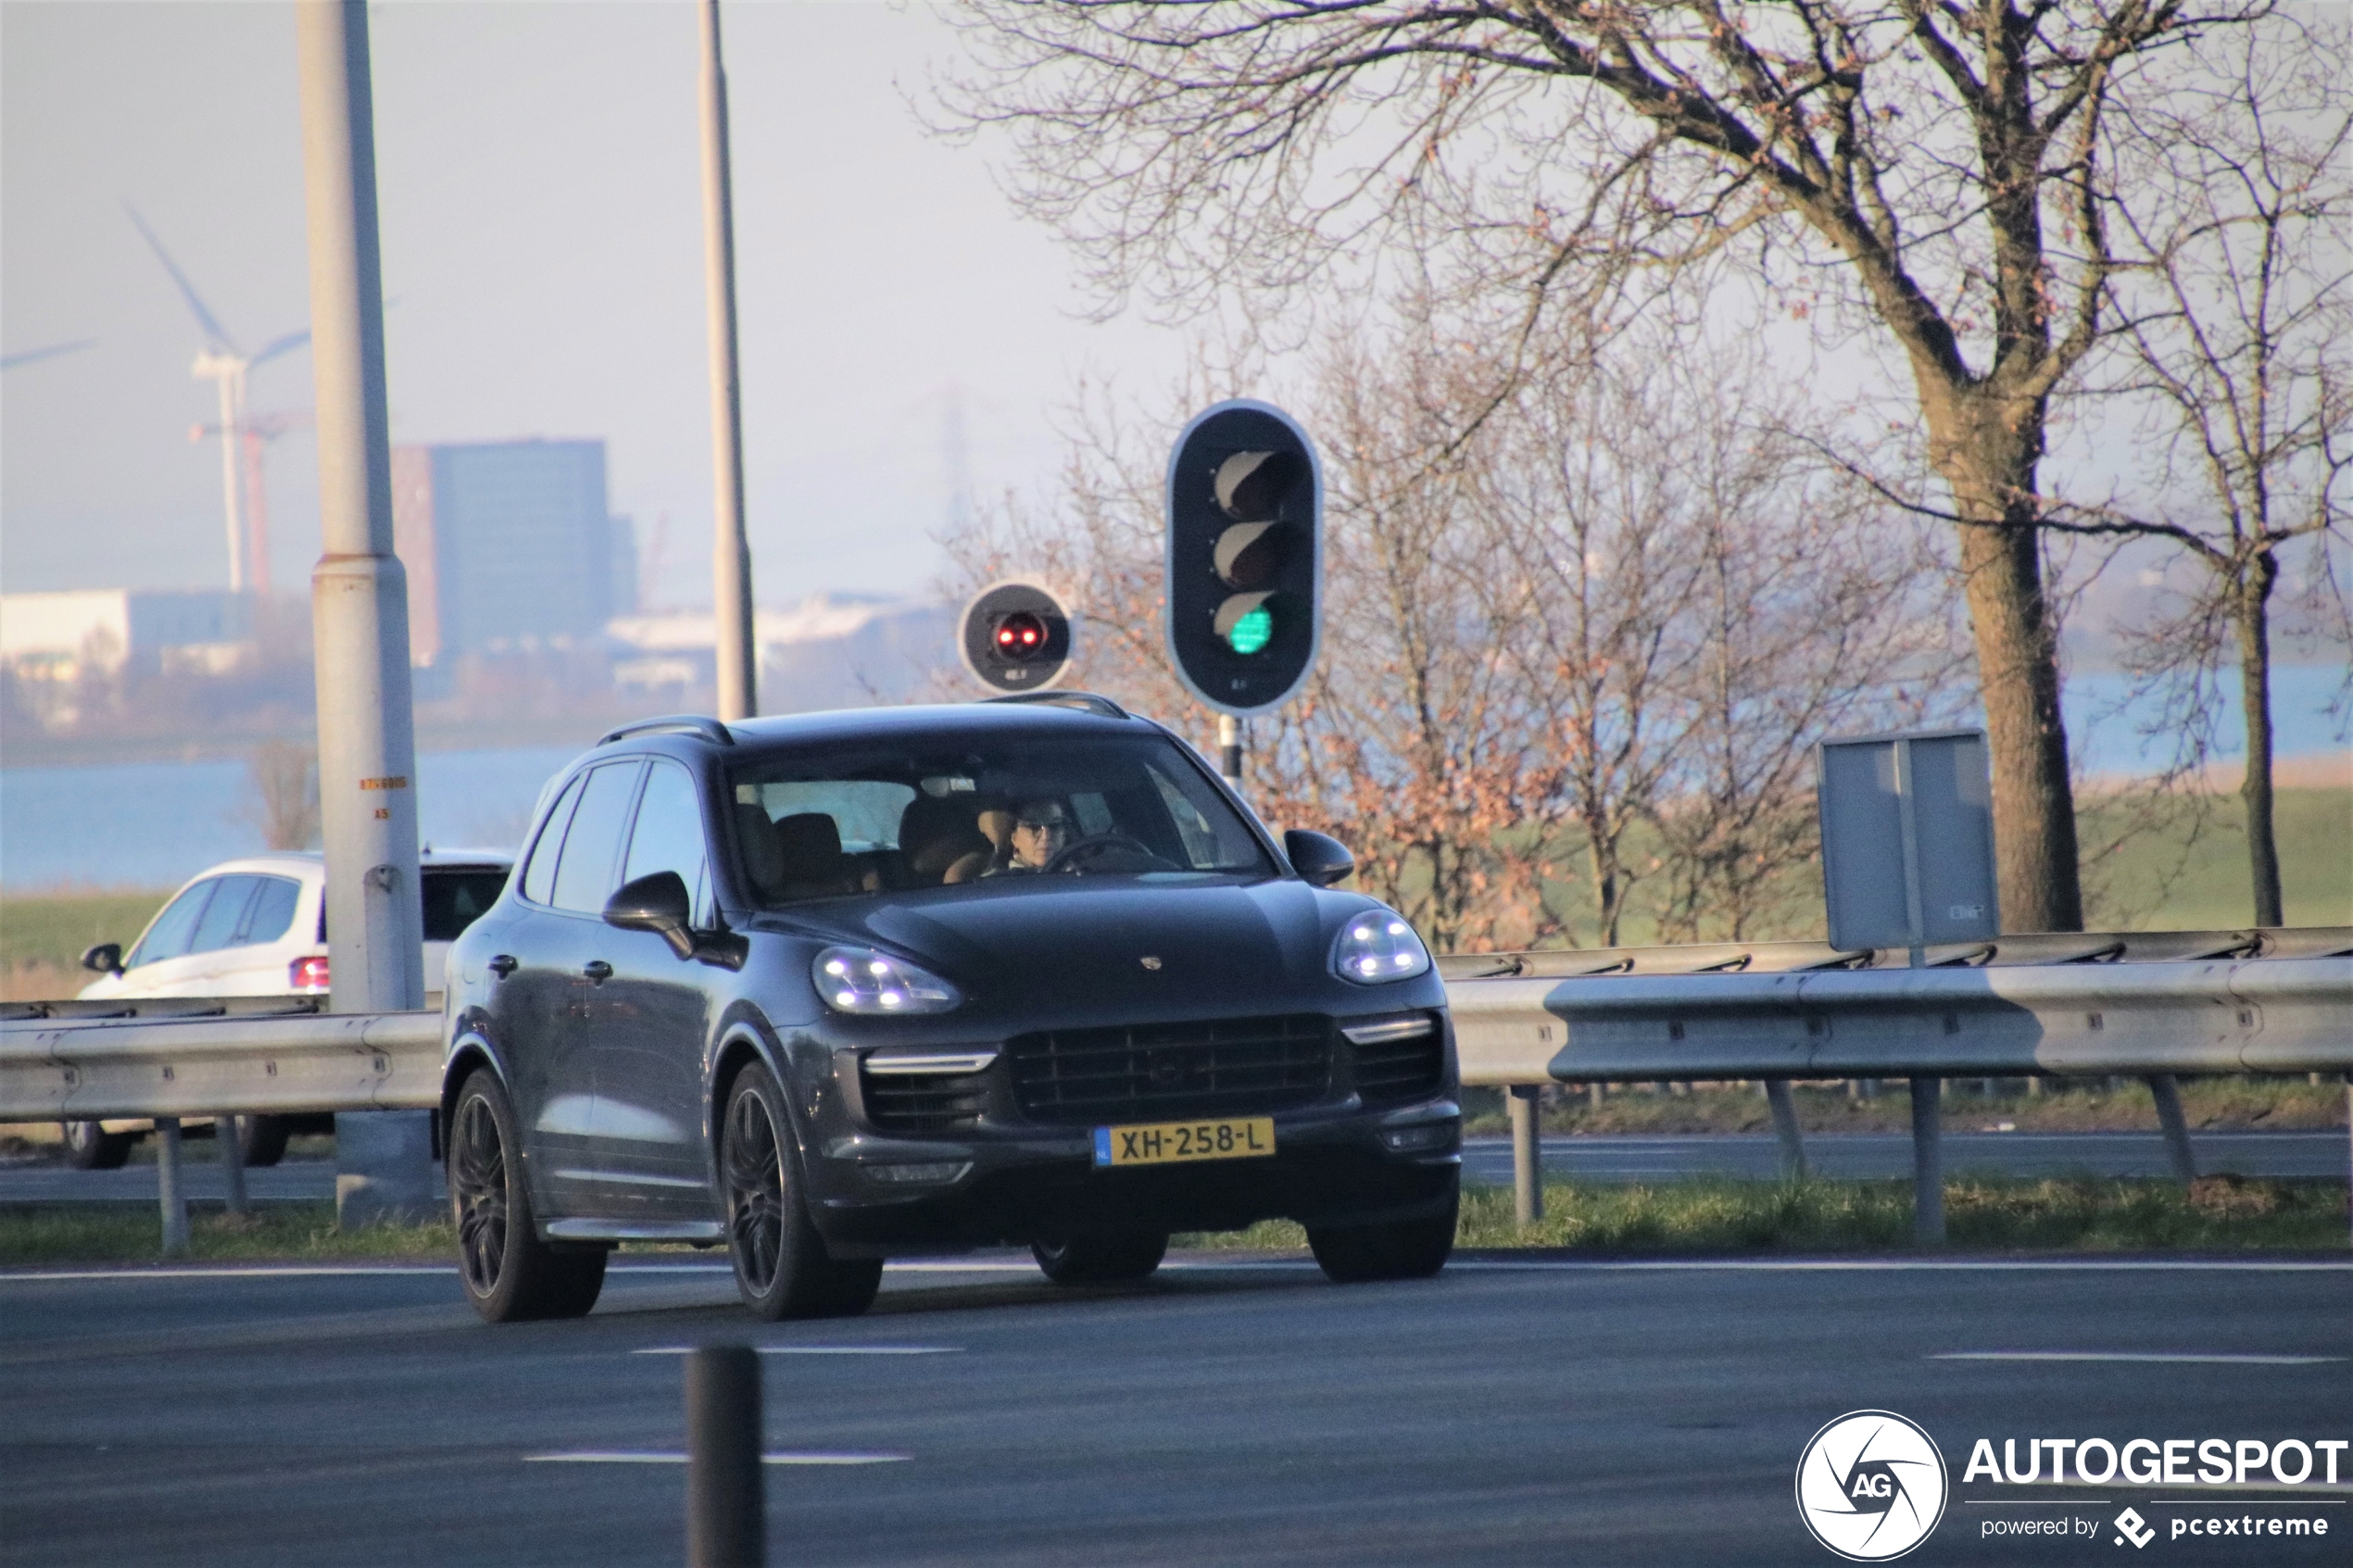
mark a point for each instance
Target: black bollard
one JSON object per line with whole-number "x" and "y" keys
{"x": 727, "y": 1506}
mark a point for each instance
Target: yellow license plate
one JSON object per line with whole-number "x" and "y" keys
{"x": 1169, "y": 1143}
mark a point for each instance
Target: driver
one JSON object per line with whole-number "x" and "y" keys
{"x": 1042, "y": 830}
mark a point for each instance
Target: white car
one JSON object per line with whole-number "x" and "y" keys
{"x": 258, "y": 927}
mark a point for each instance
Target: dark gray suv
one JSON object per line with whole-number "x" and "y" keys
{"x": 845, "y": 985}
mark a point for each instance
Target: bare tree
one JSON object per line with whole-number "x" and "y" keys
{"x": 1612, "y": 610}
{"x": 2236, "y": 353}
{"x": 285, "y": 794}
{"x": 1933, "y": 173}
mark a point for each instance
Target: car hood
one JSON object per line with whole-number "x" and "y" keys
{"x": 1014, "y": 942}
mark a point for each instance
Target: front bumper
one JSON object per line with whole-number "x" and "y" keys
{"x": 1328, "y": 1169}
{"x": 1004, "y": 1176}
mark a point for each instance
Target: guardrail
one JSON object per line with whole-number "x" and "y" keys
{"x": 2152, "y": 1005}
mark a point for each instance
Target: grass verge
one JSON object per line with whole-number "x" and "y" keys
{"x": 33, "y": 1234}
{"x": 2247, "y": 1103}
{"x": 1715, "y": 1217}
{"x": 1702, "y": 1217}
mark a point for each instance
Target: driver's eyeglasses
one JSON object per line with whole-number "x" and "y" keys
{"x": 1045, "y": 827}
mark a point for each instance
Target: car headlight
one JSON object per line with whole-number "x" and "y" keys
{"x": 1377, "y": 947}
{"x": 863, "y": 981}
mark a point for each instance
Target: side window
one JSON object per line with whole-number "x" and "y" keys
{"x": 167, "y": 938}
{"x": 668, "y": 834}
{"x": 272, "y": 912}
{"x": 218, "y": 928}
{"x": 591, "y": 844}
{"x": 540, "y": 874}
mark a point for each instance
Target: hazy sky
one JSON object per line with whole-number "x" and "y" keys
{"x": 542, "y": 232}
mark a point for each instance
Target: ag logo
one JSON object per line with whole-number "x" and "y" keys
{"x": 1871, "y": 1485}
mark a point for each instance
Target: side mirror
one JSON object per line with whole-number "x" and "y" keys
{"x": 1316, "y": 858}
{"x": 658, "y": 903}
{"x": 104, "y": 959}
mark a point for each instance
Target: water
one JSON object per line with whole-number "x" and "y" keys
{"x": 155, "y": 824}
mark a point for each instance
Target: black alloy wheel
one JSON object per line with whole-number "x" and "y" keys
{"x": 1403, "y": 1249}
{"x": 89, "y": 1147}
{"x": 1092, "y": 1258}
{"x": 782, "y": 1267}
{"x": 510, "y": 1275}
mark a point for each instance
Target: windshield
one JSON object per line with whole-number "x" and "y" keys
{"x": 849, "y": 820}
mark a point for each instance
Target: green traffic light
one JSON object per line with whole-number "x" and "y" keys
{"x": 1253, "y": 630}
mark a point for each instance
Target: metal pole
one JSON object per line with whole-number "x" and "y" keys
{"x": 1927, "y": 1163}
{"x": 173, "y": 1198}
{"x": 1785, "y": 1124}
{"x": 727, "y": 1506}
{"x": 738, "y": 674}
{"x": 2167, "y": 1096}
{"x": 360, "y": 611}
{"x": 225, "y": 1131}
{"x": 1528, "y": 1155}
{"x": 1230, "y": 748}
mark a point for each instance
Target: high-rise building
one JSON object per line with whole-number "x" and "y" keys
{"x": 509, "y": 546}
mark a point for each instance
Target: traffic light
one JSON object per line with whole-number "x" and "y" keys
{"x": 1245, "y": 556}
{"x": 1015, "y": 637}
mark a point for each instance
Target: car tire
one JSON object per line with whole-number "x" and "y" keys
{"x": 264, "y": 1139}
{"x": 782, "y": 1267}
{"x": 1093, "y": 1258}
{"x": 1404, "y": 1250}
{"x": 510, "y": 1275}
{"x": 89, "y": 1147}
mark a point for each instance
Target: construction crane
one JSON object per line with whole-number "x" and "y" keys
{"x": 251, "y": 439}
{"x": 223, "y": 363}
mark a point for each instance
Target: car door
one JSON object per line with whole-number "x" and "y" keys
{"x": 651, "y": 1017}
{"x": 533, "y": 1001}
{"x": 567, "y": 949}
{"x": 159, "y": 964}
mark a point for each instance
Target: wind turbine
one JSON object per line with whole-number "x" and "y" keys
{"x": 223, "y": 363}
{"x": 30, "y": 356}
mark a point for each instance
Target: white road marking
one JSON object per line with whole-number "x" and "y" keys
{"x": 630, "y": 1456}
{"x": 819, "y": 1351}
{"x": 1467, "y": 1265}
{"x": 2222, "y": 1359}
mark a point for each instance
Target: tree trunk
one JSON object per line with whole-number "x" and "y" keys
{"x": 2255, "y": 686}
{"x": 1986, "y": 448}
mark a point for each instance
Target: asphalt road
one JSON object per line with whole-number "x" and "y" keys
{"x": 1516, "y": 1414}
{"x": 1489, "y": 1159}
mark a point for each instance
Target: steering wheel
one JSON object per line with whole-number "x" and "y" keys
{"x": 1067, "y": 858}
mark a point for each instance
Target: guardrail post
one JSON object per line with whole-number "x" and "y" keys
{"x": 2168, "y": 1095}
{"x": 1785, "y": 1125}
{"x": 1928, "y": 1163}
{"x": 169, "y": 1192}
{"x": 1528, "y": 1155}
{"x": 228, "y": 1132}
{"x": 726, "y": 1503}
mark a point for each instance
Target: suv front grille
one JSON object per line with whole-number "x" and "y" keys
{"x": 1156, "y": 1072}
{"x": 1395, "y": 1071}
{"x": 924, "y": 1102}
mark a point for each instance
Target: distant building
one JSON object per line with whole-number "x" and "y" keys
{"x": 51, "y": 644}
{"x": 508, "y": 546}
{"x": 830, "y": 651}
{"x": 60, "y": 636}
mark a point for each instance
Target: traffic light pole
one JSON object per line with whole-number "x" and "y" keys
{"x": 359, "y": 612}
{"x": 1229, "y": 750}
{"x": 738, "y": 673}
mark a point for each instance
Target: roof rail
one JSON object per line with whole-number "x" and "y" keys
{"x": 1087, "y": 700}
{"x": 711, "y": 730}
